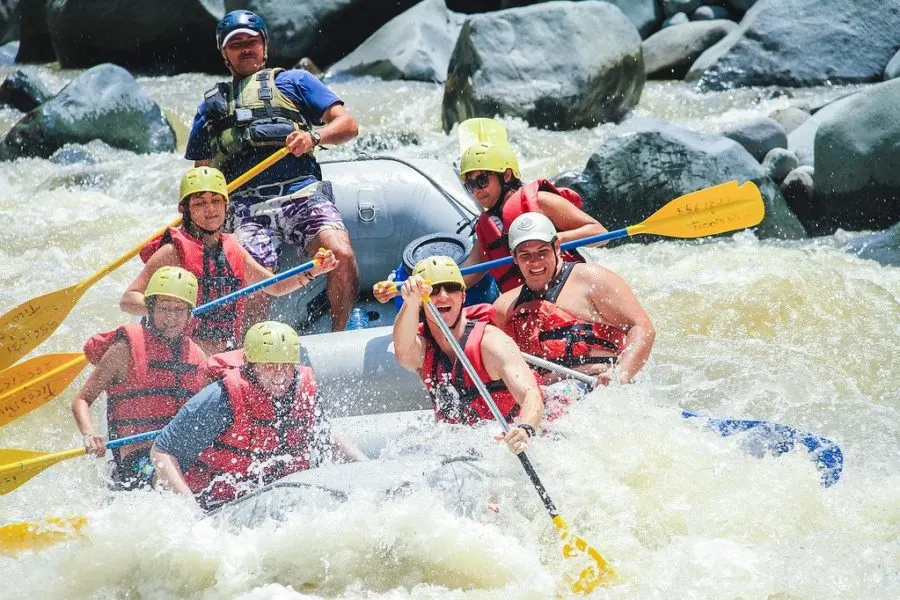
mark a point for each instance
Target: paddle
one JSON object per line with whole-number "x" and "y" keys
{"x": 17, "y": 466}
{"x": 33, "y": 321}
{"x": 38, "y": 535}
{"x": 480, "y": 131}
{"x": 593, "y": 568}
{"x": 826, "y": 454}
{"x": 719, "y": 209}
{"x": 35, "y": 382}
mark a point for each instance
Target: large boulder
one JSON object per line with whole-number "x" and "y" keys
{"x": 856, "y": 159}
{"x": 801, "y": 43}
{"x": 670, "y": 52}
{"x": 9, "y": 20}
{"x": 557, "y": 65}
{"x": 323, "y": 30}
{"x": 647, "y": 162}
{"x": 23, "y": 91}
{"x": 35, "y": 45}
{"x": 104, "y": 103}
{"x": 415, "y": 45}
{"x": 163, "y": 36}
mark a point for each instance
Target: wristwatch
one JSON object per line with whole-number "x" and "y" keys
{"x": 316, "y": 138}
{"x": 527, "y": 429}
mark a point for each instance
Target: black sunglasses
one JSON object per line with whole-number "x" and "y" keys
{"x": 477, "y": 183}
{"x": 449, "y": 287}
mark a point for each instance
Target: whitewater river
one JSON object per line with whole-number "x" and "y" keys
{"x": 800, "y": 333}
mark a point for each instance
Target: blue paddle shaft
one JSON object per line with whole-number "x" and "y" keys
{"x": 253, "y": 288}
{"x": 133, "y": 439}
{"x": 507, "y": 260}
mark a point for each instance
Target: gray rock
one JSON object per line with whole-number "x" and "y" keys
{"x": 790, "y": 118}
{"x": 801, "y": 43}
{"x": 709, "y": 13}
{"x": 566, "y": 178}
{"x": 323, "y": 30}
{"x": 778, "y": 163}
{"x": 23, "y": 91}
{"x": 547, "y": 65}
{"x": 163, "y": 36}
{"x": 801, "y": 141}
{"x": 882, "y": 247}
{"x": 798, "y": 190}
{"x": 8, "y": 53}
{"x": 856, "y": 158}
{"x": 758, "y": 136}
{"x": 104, "y": 103}
{"x": 669, "y": 53}
{"x": 676, "y": 19}
{"x": 892, "y": 70}
{"x": 673, "y": 7}
{"x": 648, "y": 162}
{"x": 415, "y": 45}
{"x": 9, "y": 20}
{"x": 35, "y": 45}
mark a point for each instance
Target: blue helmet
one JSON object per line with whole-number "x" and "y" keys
{"x": 240, "y": 19}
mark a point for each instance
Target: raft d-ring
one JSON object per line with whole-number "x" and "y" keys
{"x": 366, "y": 212}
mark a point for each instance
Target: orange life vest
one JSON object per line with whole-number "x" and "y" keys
{"x": 492, "y": 227}
{"x": 454, "y": 397}
{"x": 219, "y": 271}
{"x": 154, "y": 388}
{"x": 263, "y": 442}
{"x": 543, "y": 329}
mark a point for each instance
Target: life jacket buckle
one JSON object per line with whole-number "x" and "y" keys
{"x": 243, "y": 115}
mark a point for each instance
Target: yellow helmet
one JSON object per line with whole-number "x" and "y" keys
{"x": 203, "y": 179}
{"x": 488, "y": 157}
{"x": 439, "y": 269}
{"x": 174, "y": 282}
{"x": 272, "y": 342}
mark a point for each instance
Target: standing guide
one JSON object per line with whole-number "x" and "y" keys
{"x": 238, "y": 123}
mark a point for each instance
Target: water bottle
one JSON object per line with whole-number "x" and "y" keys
{"x": 358, "y": 319}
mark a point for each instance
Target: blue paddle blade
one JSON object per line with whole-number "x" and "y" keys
{"x": 776, "y": 439}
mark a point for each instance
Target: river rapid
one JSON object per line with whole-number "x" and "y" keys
{"x": 801, "y": 333}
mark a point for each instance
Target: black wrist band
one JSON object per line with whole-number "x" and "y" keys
{"x": 527, "y": 429}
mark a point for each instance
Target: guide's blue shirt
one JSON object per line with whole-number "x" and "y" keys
{"x": 311, "y": 97}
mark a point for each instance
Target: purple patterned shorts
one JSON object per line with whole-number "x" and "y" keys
{"x": 262, "y": 224}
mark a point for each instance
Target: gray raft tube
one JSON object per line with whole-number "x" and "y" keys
{"x": 385, "y": 203}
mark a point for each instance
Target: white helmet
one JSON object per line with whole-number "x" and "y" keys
{"x": 531, "y": 226}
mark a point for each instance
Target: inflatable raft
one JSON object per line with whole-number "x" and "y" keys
{"x": 394, "y": 207}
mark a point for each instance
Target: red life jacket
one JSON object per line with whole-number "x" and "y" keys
{"x": 543, "y": 329}
{"x": 154, "y": 388}
{"x": 219, "y": 271}
{"x": 491, "y": 228}
{"x": 260, "y": 445}
{"x": 454, "y": 397}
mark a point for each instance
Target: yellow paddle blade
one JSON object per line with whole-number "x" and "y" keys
{"x": 41, "y": 388}
{"x": 38, "y": 535}
{"x": 17, "y": 468}
{"x": 480, "y": 131}
{"x": 718, "y": 209}
{"x": 589, "y": 569}
{"x": 31, "y": 368}
{"x": 32, "y": 322}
